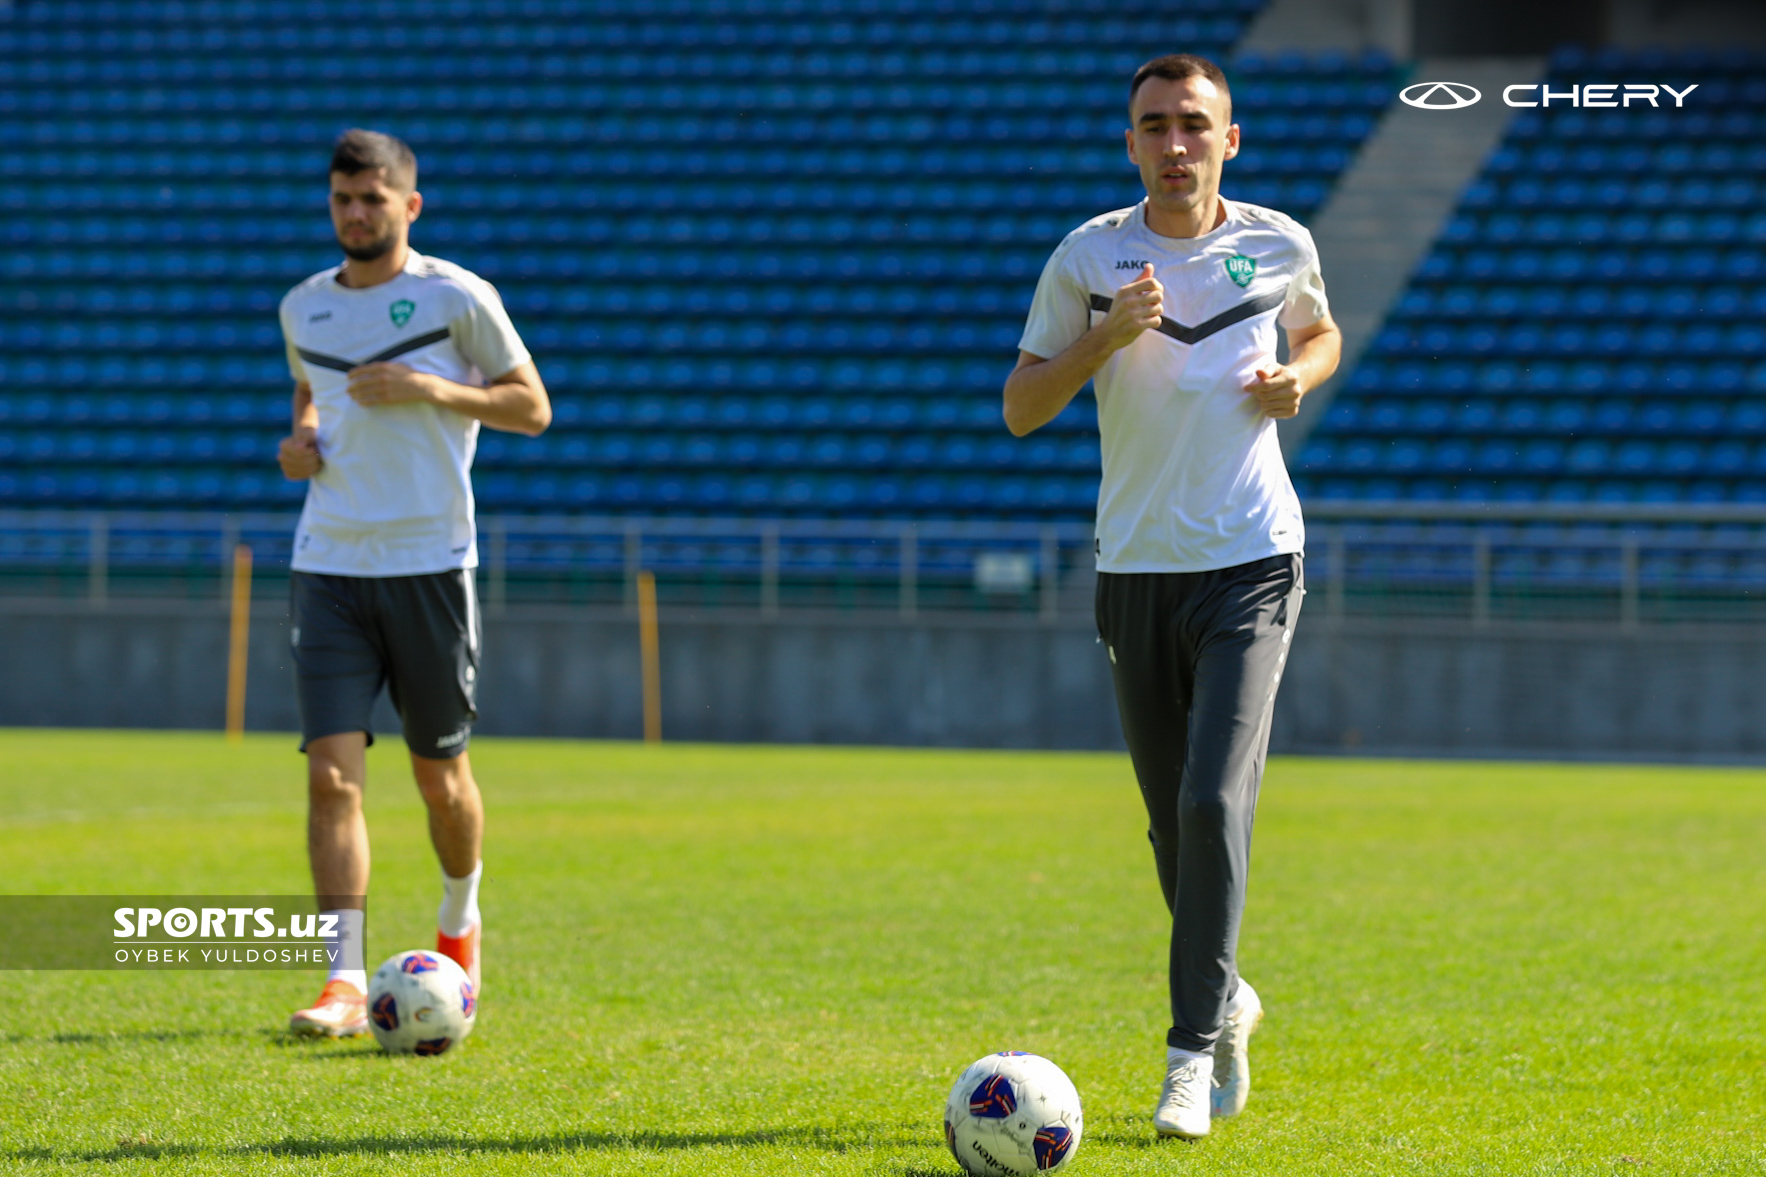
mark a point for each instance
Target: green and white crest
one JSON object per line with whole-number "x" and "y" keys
{"x": 1241, "y": 269}
{"x": 402, "y": 310}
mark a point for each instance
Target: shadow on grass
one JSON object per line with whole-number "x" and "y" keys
{"x": 126, "y": 1150}
{"x": 549, "y": 1142}
{"x": 363, "y": 1045}
{"x": 111, "y": 1037}
{"x": 276, "y": 1037}
{"x": 440, "y": 1143}
{"x": 1134, "y": 1140}
{"x": 343, "y": 1050}
{"x": 1137, "y": 1138}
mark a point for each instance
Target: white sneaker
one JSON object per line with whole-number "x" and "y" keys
{"x": 1183, "y": 1102}
{"x": 1232, "y": 1054}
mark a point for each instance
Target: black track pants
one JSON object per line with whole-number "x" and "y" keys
{"x": 1196, "y": 658}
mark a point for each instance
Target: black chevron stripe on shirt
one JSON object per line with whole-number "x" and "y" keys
{"x": 1248, "y": 309}
{"x": 396, "y": 350}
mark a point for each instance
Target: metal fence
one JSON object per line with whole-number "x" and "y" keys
{"x": 768, "y": 565}
{"x": 1629, "y": 564}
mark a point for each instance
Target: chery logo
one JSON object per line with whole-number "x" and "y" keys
{"x": 1458, "y": 95}
{"x": 1440, "y": 95}
{"x": 1602, "y": 94}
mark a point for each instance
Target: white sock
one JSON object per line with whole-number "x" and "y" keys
{"x": 346, "y": 950}
{"x": 459, "y": 905}
{"x": 1177, "y": 1056}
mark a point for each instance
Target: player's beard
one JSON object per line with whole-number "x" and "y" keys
{"x": 374, "y": 249}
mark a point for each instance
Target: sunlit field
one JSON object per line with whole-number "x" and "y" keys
{"x": 754, "y": 960}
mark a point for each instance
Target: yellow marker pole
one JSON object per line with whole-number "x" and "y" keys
{"x": 649, "y": 648}
{"x": 238, "y": 645}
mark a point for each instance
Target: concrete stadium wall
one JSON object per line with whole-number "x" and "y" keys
{"x": 1356, "y": 685}
{"x": 803, "y": 677}
{"x": 1589, "y": 691}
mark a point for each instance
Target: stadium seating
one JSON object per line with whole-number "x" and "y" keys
{"x": 1591, "y": 325}
{"x": 772, "y": 259}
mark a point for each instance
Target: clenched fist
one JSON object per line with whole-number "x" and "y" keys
{"x": 1137, "y": 306}
{"x": 1277, "y": 390}
{"x": 388, "y": 384}
{"x": 298, "y": 455}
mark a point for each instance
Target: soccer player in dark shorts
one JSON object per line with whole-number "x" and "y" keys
{"x": 1171, "y": 307}
{"x": 397, "y": 360}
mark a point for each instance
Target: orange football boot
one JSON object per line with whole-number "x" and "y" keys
{"x": 340, "y": 1012}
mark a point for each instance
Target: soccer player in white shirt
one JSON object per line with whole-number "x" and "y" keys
{"x": 1199, "y": 532}
{"x": 397, "y": 359}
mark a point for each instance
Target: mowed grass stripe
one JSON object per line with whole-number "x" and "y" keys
{"x": 775, "y": 960}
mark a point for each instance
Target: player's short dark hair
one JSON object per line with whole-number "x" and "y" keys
{"x": 1175, "y": 67}
{"x": 361, "y": 151}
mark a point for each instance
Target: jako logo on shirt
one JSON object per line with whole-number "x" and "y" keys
{"x": 1133, "y": 263}
{"x": 1241, "y": 269}
{"x": 401, "y": 311}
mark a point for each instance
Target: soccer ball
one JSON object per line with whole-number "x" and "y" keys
{"x": 420, "y": 1003}
{"x": 1012, "y": 1114}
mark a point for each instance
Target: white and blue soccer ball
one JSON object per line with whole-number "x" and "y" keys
{"x": 1013, "y": 1114}
{"x": 420, "y": 1003}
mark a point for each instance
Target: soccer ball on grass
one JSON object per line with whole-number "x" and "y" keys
{"x": 420, "y": 1003}
{"x": 1012, "y": 1114}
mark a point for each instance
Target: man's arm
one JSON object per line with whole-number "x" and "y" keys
{"x": 1040, "y": 387}
{"x": 298, "y": 454}
{"x": 516, "y": 401}
{"x": 1313, "y": 353}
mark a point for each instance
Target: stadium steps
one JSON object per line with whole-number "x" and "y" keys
{"x": 1590, "y": 325}
{"x": 1392, "y": 203}
{"x": 1347, "y": 26}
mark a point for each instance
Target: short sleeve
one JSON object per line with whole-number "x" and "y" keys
{"x": 296, "y": 368}
{"x": 1060, "y": 312}
{"x": 1306, "y": 303}
{"x": 485, "y": 335}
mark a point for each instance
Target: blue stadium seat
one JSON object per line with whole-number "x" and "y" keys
{"x": 577, "y": 238}
{"x": 1649, "y": 328}
{"x": 1474, "y": 416}
{"x": 1636, "y": 457}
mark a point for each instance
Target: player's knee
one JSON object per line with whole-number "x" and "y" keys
{"x": 438, "y": 790}
{"x": 328, "y": 783}
{"x": 442, "y": 782}
{"x": 1206, "y": 809}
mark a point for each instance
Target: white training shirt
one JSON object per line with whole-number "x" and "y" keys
{"x": 394, "y": 496}
{"x": 1193, "y": 472}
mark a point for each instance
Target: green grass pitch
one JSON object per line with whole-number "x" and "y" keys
{"x": 746, "y": 960}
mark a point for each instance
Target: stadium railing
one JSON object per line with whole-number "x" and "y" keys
{"x": 1624, "y": 563}
{"x": 1628, "y": 564}
{"x": 904, "y": 566}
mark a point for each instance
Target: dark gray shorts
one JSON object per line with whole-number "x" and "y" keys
{"x": 416, "y": 635}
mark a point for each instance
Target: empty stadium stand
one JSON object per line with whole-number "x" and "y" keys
{"x": 772, "y": 255}
{"x": 1591, "y": 326}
